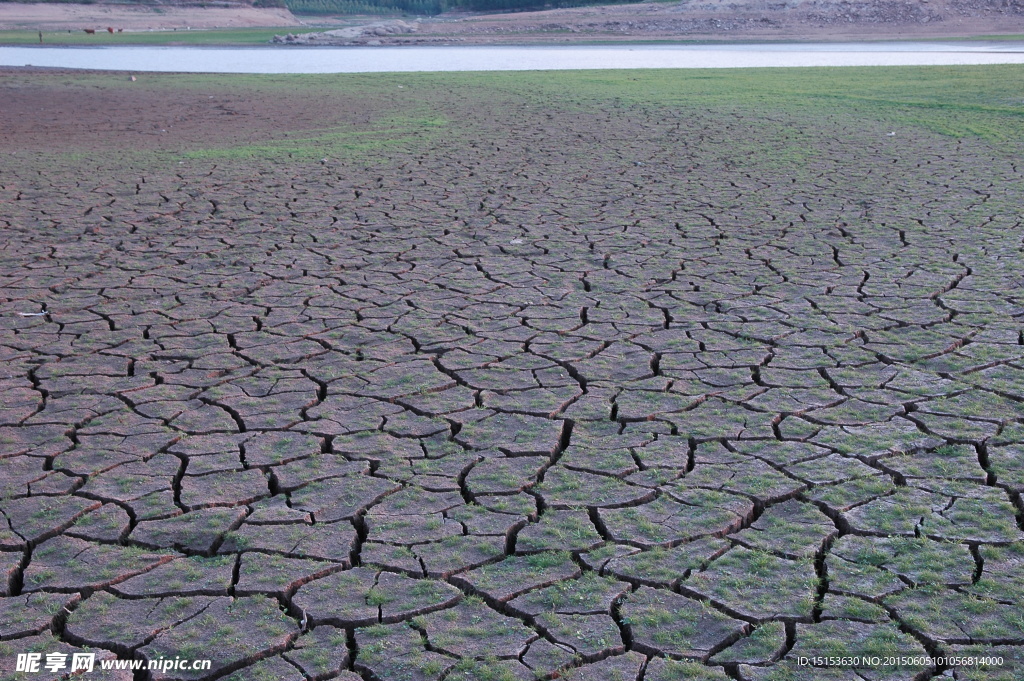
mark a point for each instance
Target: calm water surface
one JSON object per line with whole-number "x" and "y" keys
{"x": 483, "y": 58}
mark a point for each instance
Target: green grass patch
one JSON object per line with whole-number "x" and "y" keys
{"x": 197, "y": 37}
{"x": 393, "y": 134}
{"x": 957, "y": 101}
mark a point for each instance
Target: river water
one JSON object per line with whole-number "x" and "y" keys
{"x": 531, "y": 58}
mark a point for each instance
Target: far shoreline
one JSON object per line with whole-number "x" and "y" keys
{"x": 654, "y": 23}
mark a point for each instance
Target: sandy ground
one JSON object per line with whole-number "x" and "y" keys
{"x": 50, "y": 17}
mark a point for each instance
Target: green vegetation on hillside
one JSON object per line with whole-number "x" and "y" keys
{"x": 422, "y": 7}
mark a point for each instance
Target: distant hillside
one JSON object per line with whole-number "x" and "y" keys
{"x": 727, "y": 12}
{"x": 434, "y": 7}
{"x": 57, "y": 15}
{"x": 526, "y": 19}
{"x": 851, "y": 11}
{"x": 158, "y": 3}
{"x": 419, "y": 7}
{"x": 816, "y": 20}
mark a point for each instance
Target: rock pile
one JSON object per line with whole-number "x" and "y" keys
{"x": 353, "y": 35}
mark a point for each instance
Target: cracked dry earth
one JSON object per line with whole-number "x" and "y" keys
{"x": 616, "y": 392}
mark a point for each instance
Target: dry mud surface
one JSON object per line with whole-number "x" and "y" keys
{"x": 603, "y": 391}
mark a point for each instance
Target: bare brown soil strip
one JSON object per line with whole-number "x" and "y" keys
{"x": 82, "y": 112}
{"x": 60, "y": 16}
